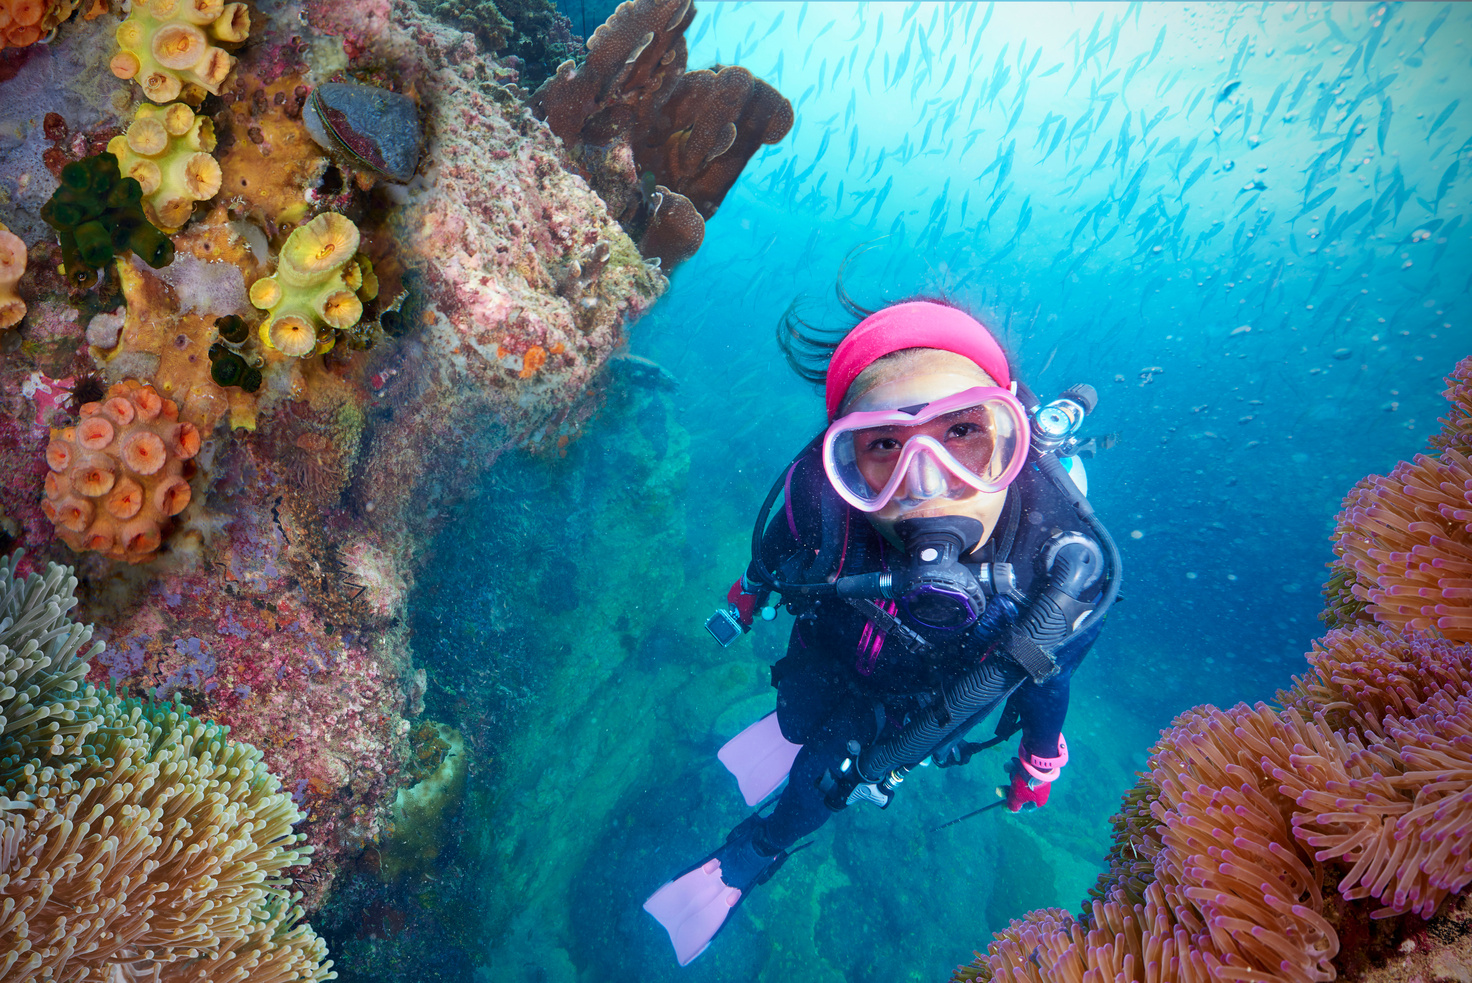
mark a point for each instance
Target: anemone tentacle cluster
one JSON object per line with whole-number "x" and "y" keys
{"x": 167, "y": 150}
{"x": 119, "y": 476}
{"x": 318, "y": 288}
{"x": 173, "y": 48}
{"x": 1403, "y": 542}
{"x": 139, "y": 841}
{"x": 1258, "y": 831}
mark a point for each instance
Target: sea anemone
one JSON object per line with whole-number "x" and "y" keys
{"x": 1230, "y": 851}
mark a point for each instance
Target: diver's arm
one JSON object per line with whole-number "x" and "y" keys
{"x": 778, "y": 546}
{"x": 1042, "y": 707}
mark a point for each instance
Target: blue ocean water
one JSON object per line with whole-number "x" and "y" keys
{"x": 1242, "y": 223}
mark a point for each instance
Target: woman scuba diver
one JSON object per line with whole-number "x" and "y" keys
{"x": 940, "y": 562}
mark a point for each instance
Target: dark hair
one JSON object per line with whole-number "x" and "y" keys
{"x": 808, "y": 347}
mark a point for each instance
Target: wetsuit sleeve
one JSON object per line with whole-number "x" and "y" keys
{"x": 794, "y": 530}
{"x": 1041, "y": 708}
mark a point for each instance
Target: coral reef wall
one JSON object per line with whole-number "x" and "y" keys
{"x": 1327, "y": 837}
{"x": 482, "y": 299}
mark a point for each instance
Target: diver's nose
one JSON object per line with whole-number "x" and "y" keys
{"x": 925, "y": 478}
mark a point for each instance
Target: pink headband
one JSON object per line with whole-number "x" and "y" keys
{"x": 915, "y": 324}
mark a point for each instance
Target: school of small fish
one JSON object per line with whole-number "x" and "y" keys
{"x": 1264, "y": 166}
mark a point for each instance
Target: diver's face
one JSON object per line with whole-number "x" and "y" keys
{"x": 965, "y": 434}
{"x": 911, "y": 379}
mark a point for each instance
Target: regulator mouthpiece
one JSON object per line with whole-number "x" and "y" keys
{"x": 940, "y": 591}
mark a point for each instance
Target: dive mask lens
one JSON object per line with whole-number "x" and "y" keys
{"x": 953, "y": 447}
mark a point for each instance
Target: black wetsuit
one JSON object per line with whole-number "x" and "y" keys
{"x": 841, "y": 679}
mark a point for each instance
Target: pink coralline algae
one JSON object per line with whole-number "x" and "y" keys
{"x": 520, "y": 265}
{"x": 312, "y": 697}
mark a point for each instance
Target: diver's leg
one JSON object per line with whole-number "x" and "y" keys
{"x": 800, "y": 809}
{"x": 696, "y": 904}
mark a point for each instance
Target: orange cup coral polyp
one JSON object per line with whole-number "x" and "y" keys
{"x": 172, "y": 47}
{"x": 12, "y": 267}
{"x": 24, "y": 22}
{"x": 119, "y": 476}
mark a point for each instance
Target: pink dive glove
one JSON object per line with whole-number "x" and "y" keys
{"x": 1033, "y": 776}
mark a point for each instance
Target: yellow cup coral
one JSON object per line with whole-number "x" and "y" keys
{"x": 167, "y": 149}
{"x": 318, "y": 288}
{"x": 12, "y": 268}
{"x": 172, "y": 46}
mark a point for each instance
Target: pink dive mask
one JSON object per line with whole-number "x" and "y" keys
{"x": 954, "y": 447}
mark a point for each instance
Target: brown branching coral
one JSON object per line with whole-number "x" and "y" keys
{"x": 674, "y": 230}
{"x": 1259, "y": 834}
{"x": 136, "y": 841}
{"x": 632, "y": 110}
{"x": 635, "y": 59}
{"x": 712, "y": 124}
{"x": 1404, "y": 540}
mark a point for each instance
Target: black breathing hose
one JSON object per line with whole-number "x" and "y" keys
{"x": 972, "y": 697}
{"x": 1052, "y": 469}
{"x": 759, "y": 531}
{"x": 964, "y": 704}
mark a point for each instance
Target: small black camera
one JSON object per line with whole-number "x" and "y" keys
{"x": 724, "y": 627}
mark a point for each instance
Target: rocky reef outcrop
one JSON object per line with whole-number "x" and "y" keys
{"x": 476, "y": 306}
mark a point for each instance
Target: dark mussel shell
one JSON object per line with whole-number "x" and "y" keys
{"x": 372, "y": 127}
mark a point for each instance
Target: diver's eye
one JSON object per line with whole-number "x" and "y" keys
{"x": 881, "y": 445}
{"x": 962, "y": 430}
